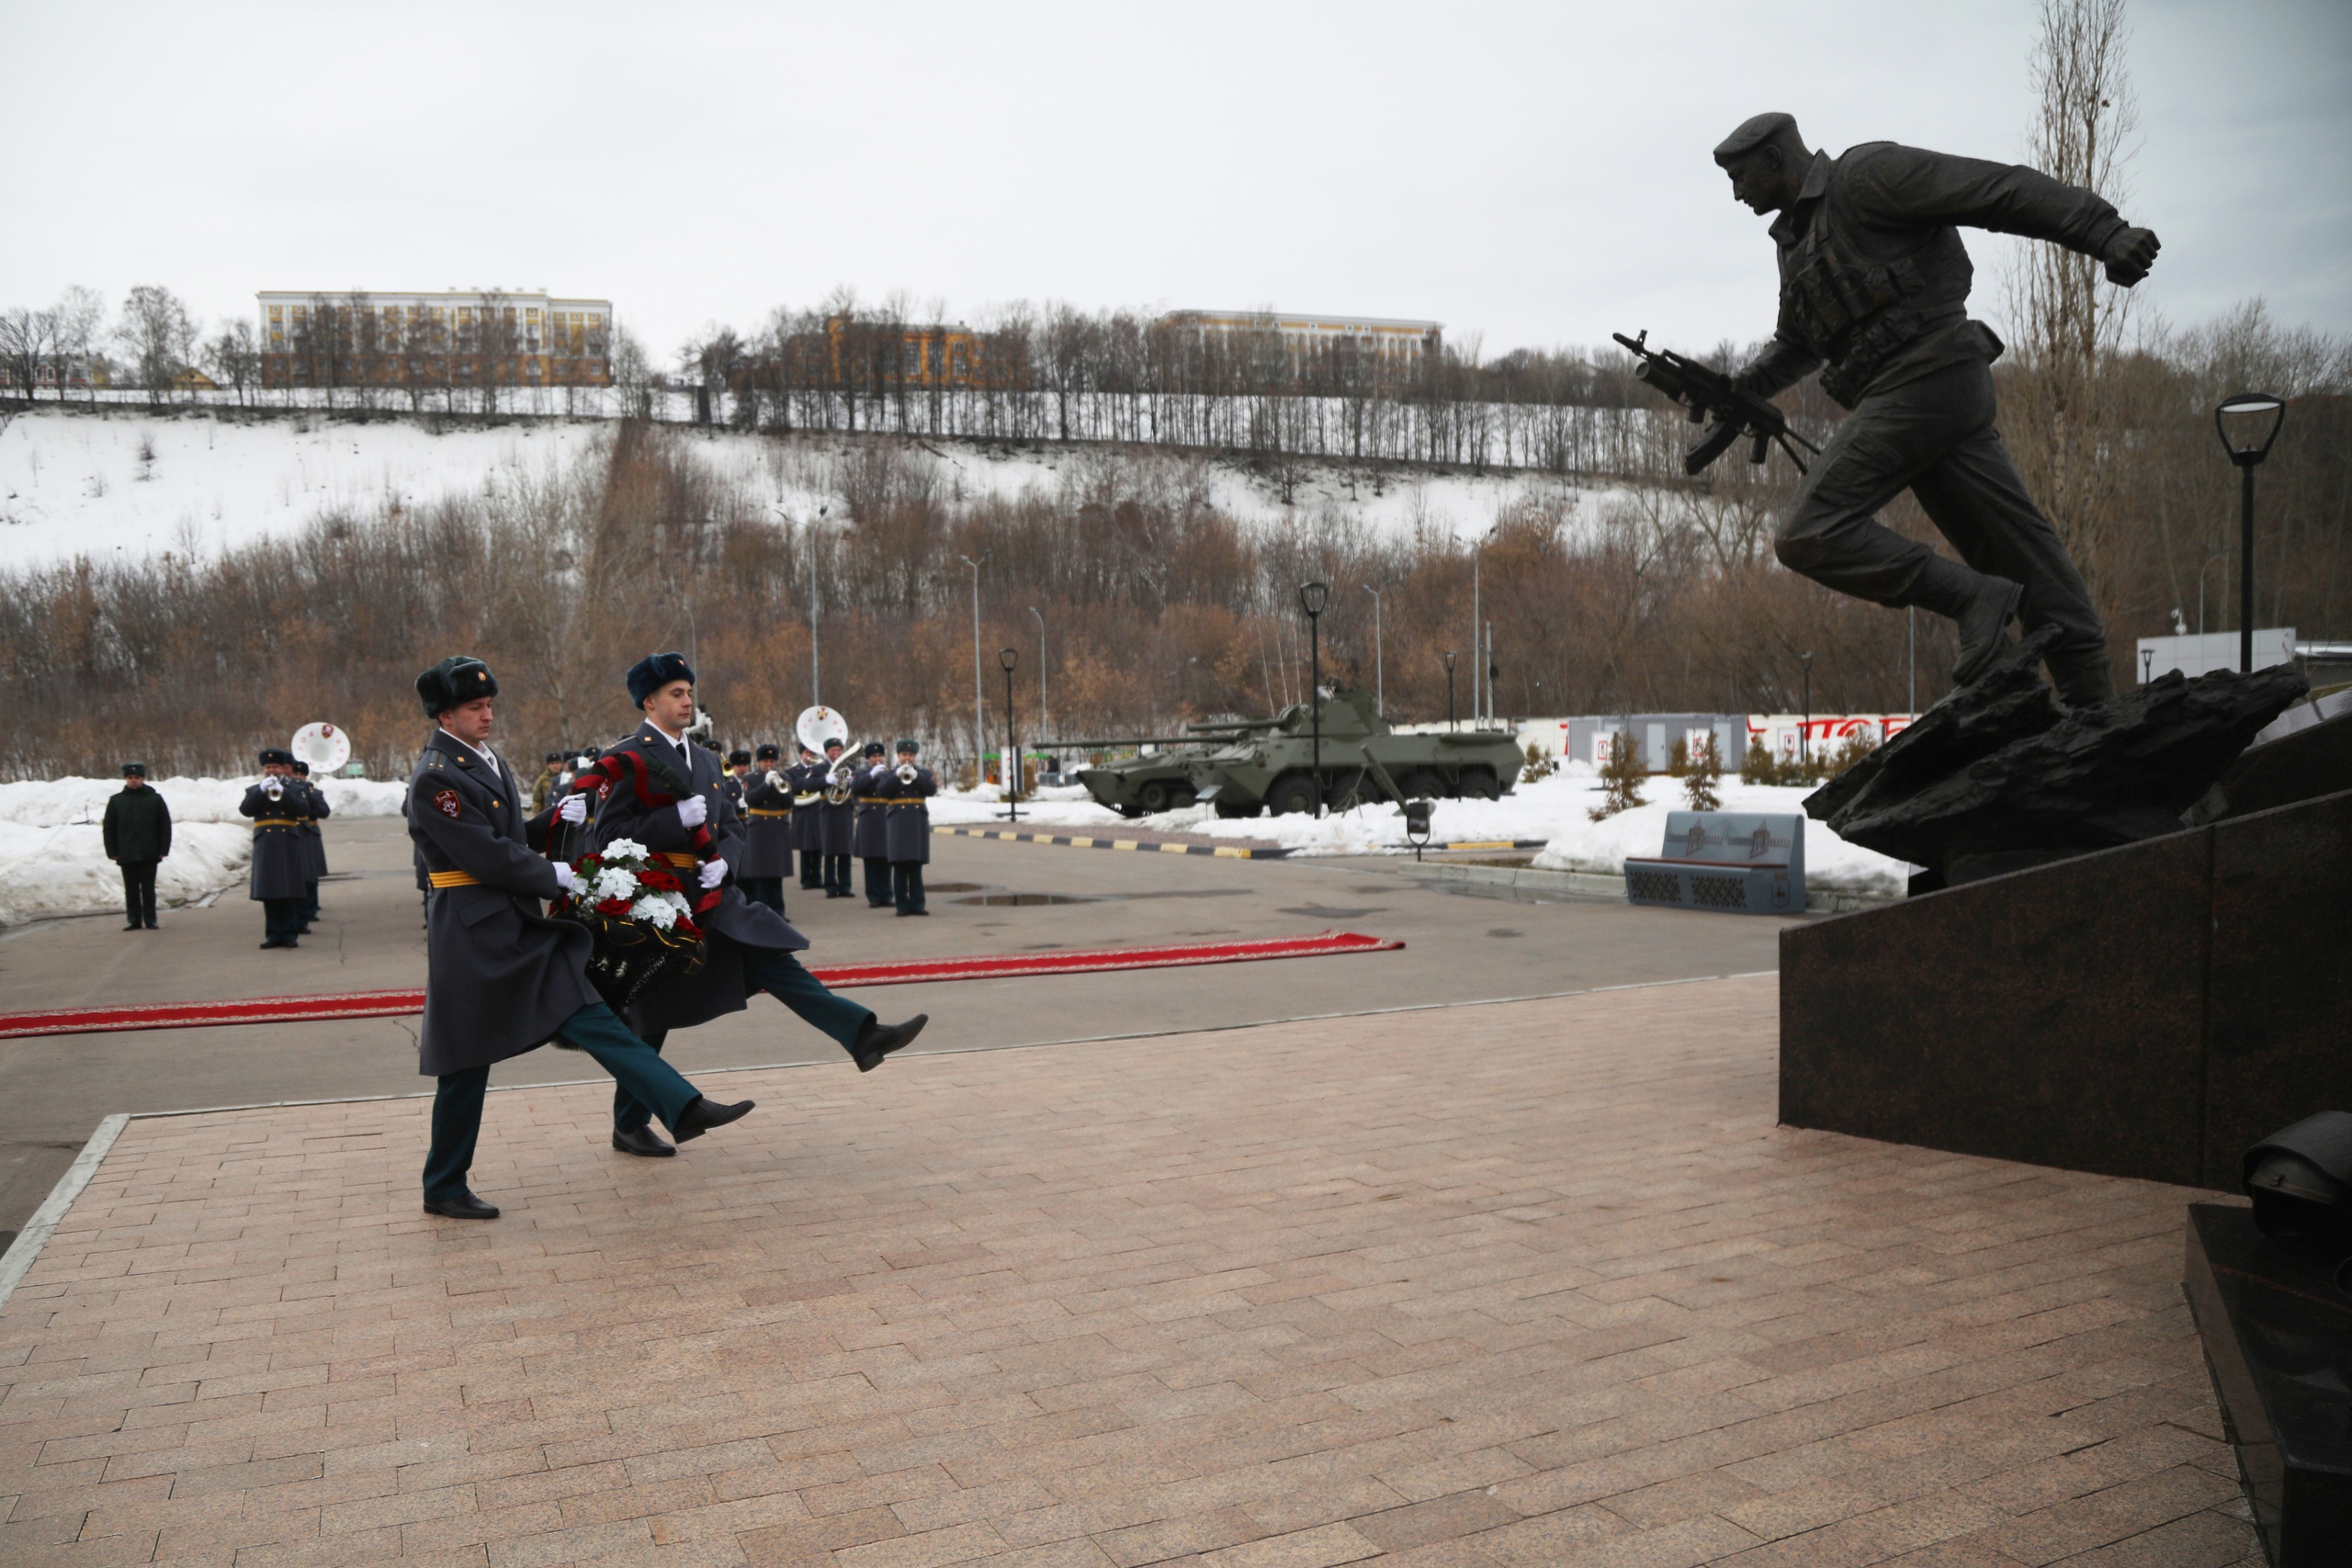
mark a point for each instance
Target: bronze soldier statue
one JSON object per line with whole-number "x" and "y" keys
{"x": 1875, "y": 291}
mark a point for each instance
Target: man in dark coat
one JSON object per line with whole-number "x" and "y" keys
{"x": 731, "y": 783}
{"x": 550, "y": 770}
{"x": 910, "y": 829}
{"x": 138, "y": 833}
{"x": 1875, "y": 289}
{"x": 314, "y": 841}
{"x": 873, "y": 837}
{"x": 837, "y": 820}
{"x": 767, "y": 832}
{"x": 501, "y": 978}
{"x": 281, "y": 873}
{"x": 807, "y": 776}
{"x": 662, "y": 791}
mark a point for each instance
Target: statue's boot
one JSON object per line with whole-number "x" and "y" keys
{"x": 1983, "y": 615}
{"x": 2083, "y": 683}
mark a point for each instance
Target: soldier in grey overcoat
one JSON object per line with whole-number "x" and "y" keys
{"x": 767, "y": 831}
{"x": 910, "y": 829}
{"x": 808, "y": 777}
{"x": 836, "y": 823}
{"x": 738, "y": 769}
{"x": 674, "y": 808}
{"x": 281, "y": 863}
{"x": 1875, "y": 286}
{"x": 314, "y": 840}
{"x": 501, "y": 978}
{"x": 872, "y": 839}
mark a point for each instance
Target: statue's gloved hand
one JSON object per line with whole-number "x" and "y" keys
{"x": 692, "y": 810}
{"x": 714, "y": 871}
{"x": 2129, "y": 254}
{"x": 573, "y": 809}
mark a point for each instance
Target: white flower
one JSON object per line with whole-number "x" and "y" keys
{"x": 612, "y": 881}
{"x": 625, "y": 849}
{"x": 654, "y": 911}
{"x": 680, "y": 900}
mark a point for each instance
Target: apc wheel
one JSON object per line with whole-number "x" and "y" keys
{"x": 1420, "y": 784}
{"x": 1230, "y": 810}
{"x": 1477, "y": 784}
{"x": 1181, "y": 799}
{"x": 1153, "y": 798}
{"x": 1290, "y": 797}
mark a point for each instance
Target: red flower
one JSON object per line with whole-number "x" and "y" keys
{"x": 615, "y": 906}
{"x": 660, "y": 881}
{"x": 686, "y": 929}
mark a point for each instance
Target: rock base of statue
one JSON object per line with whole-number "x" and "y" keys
{"x": 2276, "y": 1319}
{"x": 2151, "y": 997}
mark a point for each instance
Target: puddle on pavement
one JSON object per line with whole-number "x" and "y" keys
{"x": 1324, "y": 912}
{"x": 1026, "y": 900}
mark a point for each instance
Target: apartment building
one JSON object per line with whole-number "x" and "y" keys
{"x": 470, "y": 337}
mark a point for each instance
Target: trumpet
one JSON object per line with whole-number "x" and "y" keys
{"x": 774, "y": 780}
{"x": 274, "y": 788}
{"x": 905, "y": 773}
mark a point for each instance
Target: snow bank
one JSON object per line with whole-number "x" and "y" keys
{"x": 46, "y": 872}
{"x": 52, "y": 856}
{"x": 1554, "y": 812}
{"x": 52, "y": 803}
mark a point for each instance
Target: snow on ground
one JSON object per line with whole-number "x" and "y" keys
{"x": 52, "y": 856}
{"x": 74, "y": 483}
{"x": 1553, "y": 811}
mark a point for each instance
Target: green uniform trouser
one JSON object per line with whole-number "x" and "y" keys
{"x": 1935, "y": 437}
{"x": 781, "y": 976}
{"x": 595, "y": 1029}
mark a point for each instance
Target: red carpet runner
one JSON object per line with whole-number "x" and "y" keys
{"x": 390, "y": 1004}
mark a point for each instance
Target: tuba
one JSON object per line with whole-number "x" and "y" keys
{"x": 323, "y": 746}
{"x": 819, "y": 728}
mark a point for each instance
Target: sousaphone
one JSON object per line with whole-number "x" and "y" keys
{"x": 322, "y": 745}
{"x": 819, "y": 728}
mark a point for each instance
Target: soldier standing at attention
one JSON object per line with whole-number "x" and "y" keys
{"x": 1874, "y": 290}
{"x": 836, "y": 823}
{"x": 768, "y": 833}
{"x": 540, "y": 786}
{"x": 746, "y": 948}
{"x": 281, "y": 864}
{"x": 138, "y": 833}
{"x": 501, "y": 978}
{"x": 873, "y": 837}
{"x": 807, "y": 776}
{"x": 731, "y": 783}
{"x": 910, "y": 829}
{"x": 314, "y": 842}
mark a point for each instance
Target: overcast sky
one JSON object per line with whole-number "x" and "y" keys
{"x": 1536, "y": 174}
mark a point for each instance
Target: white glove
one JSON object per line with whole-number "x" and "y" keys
{"x": 573, "y": 809}
{"x": 692, "y": 810}
{"x": 714, "y": 871}
{"x": 566, "y": 879}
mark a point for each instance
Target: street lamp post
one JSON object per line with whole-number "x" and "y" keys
{"x": 1448, "y": 656}
{"x": 1008, "y": 659}
{"x": 1805, "y": 732}
{"x": 980, "y": 717}
{"x": 2246, "y": 449}
{"x": 2217, "y": 555}
{"x": 1312, "y": 598}
{"x": 1379, "y": 677}
{"x": 1044, "y": 713}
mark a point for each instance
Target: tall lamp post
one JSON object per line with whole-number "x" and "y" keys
{"x": 1312, "y": 598}
{"x": 2240, "y": 421}
{"x": 1044, "y": 713}
{"x": 1379, "y": 676}
{"x": 1805, "y": 730}
{"x": 1448, "y": 656}
{"x": 980, "y": 720}
{"x": 1008, "y": 658}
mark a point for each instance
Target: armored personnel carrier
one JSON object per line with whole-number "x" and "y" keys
{"x": 1271, "y": 768}
{"x": 1161, "y": 780}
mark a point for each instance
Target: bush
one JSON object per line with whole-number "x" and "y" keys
{"x": 1758, "y": 768}
{"x": 1677, "y": 757}
{"x": 1699, "y": 786}
{"x": 1540, "y": 764}
{"x": 1620, "y": 781}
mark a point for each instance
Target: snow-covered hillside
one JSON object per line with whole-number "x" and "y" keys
{"x": 75, "y": 483}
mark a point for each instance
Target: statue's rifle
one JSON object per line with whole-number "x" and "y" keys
{"x": 1710, "y": 394}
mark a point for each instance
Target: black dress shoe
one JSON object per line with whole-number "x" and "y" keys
{"x": 464, "y": 1206}
{"x": 915, "y": 912}
{"x": 701, "y": 1115}
{"x": 152, "y": 926}
{"x": 274, "y": 943}
{"x": 877, "y": 904}
{"x": 641, "y": 1141}
{"x": 134, "y": 926}
{"x": 878, "y": 1039}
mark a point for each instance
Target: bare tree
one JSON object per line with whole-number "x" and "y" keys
{"x": 233, "y": 357}
{"x": 159, "y": 335}
{"x": 81, "y": 330}
{"x": 29, "y": 346}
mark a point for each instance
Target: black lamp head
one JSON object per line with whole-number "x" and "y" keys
{"x": 1313, "y": 597}
{"x": 1006, "y": 658}
{"x": 2254, "y": 417}
{"x": 1448, "y": 656}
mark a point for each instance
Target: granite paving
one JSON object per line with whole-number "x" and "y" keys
{"x": 1527, "y": 1283}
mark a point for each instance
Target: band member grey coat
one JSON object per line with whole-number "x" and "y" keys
{"x": 873, "y": 839}
{"x": 837, "y": 824}
{"x": 503, "y": 977}
{"x": 909, "y": 815}
{"x": 281, "y": 857}
{"x": 767, "y": 827}
{"x": 314, "y": 839}
{"x": 719, "y": 986}
{"x": 808, "y": 782}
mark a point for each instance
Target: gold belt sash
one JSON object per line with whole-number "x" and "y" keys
{"x": 873, "y": 800}
{"x": 278, "y": 821}
{"x": 918, "y": 800}
{"x": 765, "y": 811}
{"x": 453, "y": 879}
{"x": 675, "y": 858}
